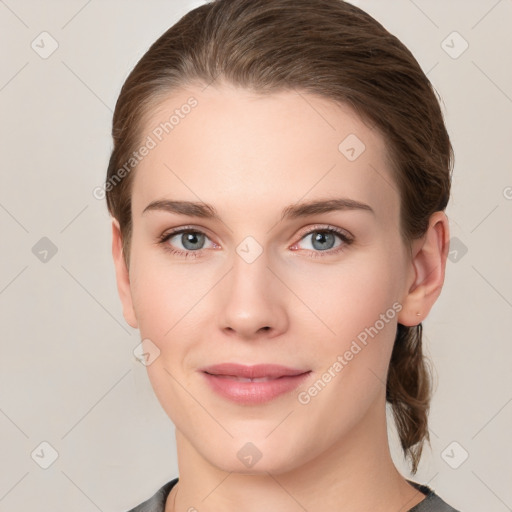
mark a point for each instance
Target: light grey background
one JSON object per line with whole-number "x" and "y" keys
{"x": 68, "y": 376}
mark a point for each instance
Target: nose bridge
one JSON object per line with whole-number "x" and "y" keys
{"x": 248, "y": 276}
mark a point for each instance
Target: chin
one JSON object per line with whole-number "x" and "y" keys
{"x": 254, "y": 458}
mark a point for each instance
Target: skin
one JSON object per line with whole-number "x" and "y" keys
{"x": 250, "y": 156}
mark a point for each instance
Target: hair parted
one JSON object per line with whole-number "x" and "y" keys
{"x": 332, "y": 49}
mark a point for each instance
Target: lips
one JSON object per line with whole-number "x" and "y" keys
{"x": 251, "y": 385}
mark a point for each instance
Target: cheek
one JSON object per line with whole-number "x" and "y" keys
{"x": 356, "y": 309}
{"x": 174, "y": 306}
{"x": 152, "y": 294}
{"x": 170, "y": 305}
{"x": 345, "y": 298}
{"x": 358, "y": 304}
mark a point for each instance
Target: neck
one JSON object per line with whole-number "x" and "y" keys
{"x": 356, "y": 474}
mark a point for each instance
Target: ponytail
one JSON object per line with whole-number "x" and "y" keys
{"x": 408, "y": 390}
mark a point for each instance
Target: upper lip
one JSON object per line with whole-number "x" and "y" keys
{"x": 252, "y": 372}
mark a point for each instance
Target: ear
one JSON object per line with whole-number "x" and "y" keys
{"x": 122, "y": 275}
{"x": 426, "y": 277}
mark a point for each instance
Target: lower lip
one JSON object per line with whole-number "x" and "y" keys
{"x": 246, "y": 392}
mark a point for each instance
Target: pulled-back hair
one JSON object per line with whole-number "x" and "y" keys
{"x": 328, "y": 48}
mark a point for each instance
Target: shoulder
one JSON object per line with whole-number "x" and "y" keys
{"x": 157, "y": 502}
{"x": 432, "y": 502}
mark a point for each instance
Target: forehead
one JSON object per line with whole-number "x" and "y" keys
{"x": 246, "y": 151}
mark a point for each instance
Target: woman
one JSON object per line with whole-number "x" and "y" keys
{"x": 277, "y": 184}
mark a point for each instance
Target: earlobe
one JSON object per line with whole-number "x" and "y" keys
{"x": 122, "y": 275}
{"x": 429, "y": 255}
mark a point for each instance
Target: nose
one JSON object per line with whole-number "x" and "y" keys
{"x": 252, "y": 302}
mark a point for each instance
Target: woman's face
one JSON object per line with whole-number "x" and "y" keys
{"x": 263, "y": 282}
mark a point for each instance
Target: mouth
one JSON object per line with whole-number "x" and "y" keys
{"x": 258, "y": 371}
{"x": 253, "y": 384}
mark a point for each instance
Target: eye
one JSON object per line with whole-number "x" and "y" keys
{"x": 185, "y": 242}
{"x": 320, "y": 241}
{"x": 328, "y": 240}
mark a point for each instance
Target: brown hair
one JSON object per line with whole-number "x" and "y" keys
{"x": 332, "y": 49}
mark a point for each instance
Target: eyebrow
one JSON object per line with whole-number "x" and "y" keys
{"x": 294, "y": 211}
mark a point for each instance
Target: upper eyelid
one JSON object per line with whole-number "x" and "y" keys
{"x": 326, "y": 227}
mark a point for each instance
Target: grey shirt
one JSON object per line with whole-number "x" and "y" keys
{"x": 431, "y": 503}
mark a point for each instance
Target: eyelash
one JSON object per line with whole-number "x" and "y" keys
{"x": 346, "y": 239}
